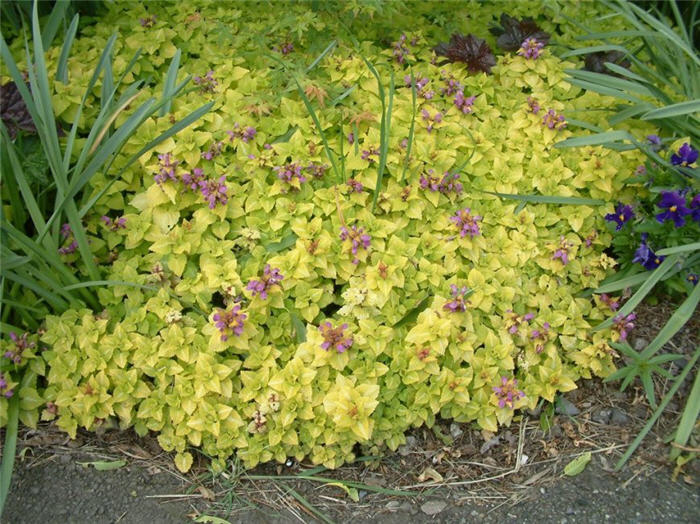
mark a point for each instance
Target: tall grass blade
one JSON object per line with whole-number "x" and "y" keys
{"x": 594, "y": 140}
{"x": 323, "y": 54}
{"x": 546, "y": 199}
{"x": 62, "y": 69}
{"x": 412, "y": 128}
{"x": 679, "y": 319}
{"x": 695, "y": 246}
{"x": 53, "y": 23}
{"x": 688, "y": 418}
{"x": 8, "y": 451}
{"x": 170, "y": 81}
{"x": 683, "y": 108}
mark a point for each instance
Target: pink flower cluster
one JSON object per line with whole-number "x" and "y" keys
{"x": 534, "y": 105}
{"x": 624, "y": 324}
{"x": 507, "y": 393}
{"x": 21, "y": 344}
{"x": 554, "y": 120}
{"x": 367, "y": 154}
{"x": 540, "y": 337}
{"x": 246, "y": 135}
{"x": 335, "y": 337}
{"x": 355, "y": 186}
{"x": 430, "y": 120}
{"x": 358, "y": 239}
{"x": 451, "y": 85}
{"x": 464, "y": 104}
{"x": 401, "y": 49}
{"x": 72, "y": 245}
{"x": 514, "y": 321}
{"x": 531, "y": 48}
{"x": 444, "y": 184}
{"x": 229, "y": 322}
{"x": 213, "y": 191}
{"x": 114, "y": 225}
{"x": 213, "y": 151}
{"x": 271, "y": 277}
{"x": 206, "y": 83}
{"x": 5, "y": 391}
{"x": 562, "y": 253}
{"x": 458, "y": 303}
{"x": 421, "y": 84}
{"x": 466, "y": 223}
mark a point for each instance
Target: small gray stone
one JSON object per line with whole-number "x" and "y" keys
{"x": 602, "y": 416}
{"x": 566, "y": 407}
{"x": 640, "y": 344}
{"x": 433, "y": 507}
{"x": 619, "y": 417}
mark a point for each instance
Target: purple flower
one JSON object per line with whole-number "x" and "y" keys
{"x": 285, "y": 48}
{"x": 654, "y": 140}
{"x": 622, "y": 214}
{"x": 5, "y": 391}
{"x": 351, "y": 138}
{"x": 451, "y": 85}
{"x": 335, "y": 337}
{"x": 695, "y": 208}
{"x": 214, "y": 191}
{"x": 271, "y": 277}
{"x": 21, "y": 344}
{"x": 66, "y": 230}
{"x": 400, "y": 49}
{"x": 458, "y": 303}
{"x": 437, "y": 118}
{"x": 686, "y": 155}
{"x": 368, "y": 153}
{"x": 646, "y": 257}
{"x": 507, "y": 393}
{"x": 514, "y": 321}
{"x": 692, "y": 278}
{"x": 446, "y": 184}
{"x": 192, "y": 180}
{"x": 674, "y": 203}
{"x": 228, "y": 322}
{"x": 72, "y": 246}
{"x": 246, "y": 135}
{"x": 623, "y": 324}
{"x": 207, "y": 83}
{"x": 167, "y": 169}
{"x": 358, "y": 239}
{"x": 292, "y": 174}
{"x": 213, "y": 151}
{"x": 355, "y": 186}
{"x": 316, "y": 170}
{"x": 114, "y": 225}
{"x": 562, "y": 252}
{"x": 534, "y": 105}
{"x": 148, "y": 22}
{"x": 609, "y": 301}
{"x": 531, "y": 48}
{"x": 464, "y": 104}
{"x": 466, "y": 223}
{"x": 554, "y": 120}
{"x": 641, "y": 170}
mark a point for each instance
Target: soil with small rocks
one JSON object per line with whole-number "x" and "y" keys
{"x": 452, "y": 473}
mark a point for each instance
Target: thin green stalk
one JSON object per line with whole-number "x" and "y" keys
{"x": 688, "y": 419}
{"x": 8, "y": 452}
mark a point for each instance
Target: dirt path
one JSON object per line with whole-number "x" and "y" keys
{"x": 63, "y": 491}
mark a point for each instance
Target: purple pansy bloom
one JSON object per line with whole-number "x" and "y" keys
{"x": 692, "y": 278}
{"x": 622, "y": 214}
{"x": 686, "y": 155}
{"x": 228, "y": 322}
{"x": 271, "y": 277}
{"x": 646, "y": 257}
{"x": 335, "y": 337}
{"x": 674, "y": 203}
{"x": 695, "y": 208}
{"x": 507, "y": 393}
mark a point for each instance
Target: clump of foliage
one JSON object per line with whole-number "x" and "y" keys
{"x": 327, "y": 259}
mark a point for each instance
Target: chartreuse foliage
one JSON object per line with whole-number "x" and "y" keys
{"x": 432, "y": 302}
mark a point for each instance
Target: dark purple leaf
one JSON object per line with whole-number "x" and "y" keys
{"x": 513, "y": 32}
{"x": 595, "y": 62}
{"x": 473, "y": 51}
{"x": 14, "y": 111}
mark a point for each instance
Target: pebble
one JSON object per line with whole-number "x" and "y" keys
{"x": 619, "y": 417}
{"x": 602, "y": 416}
